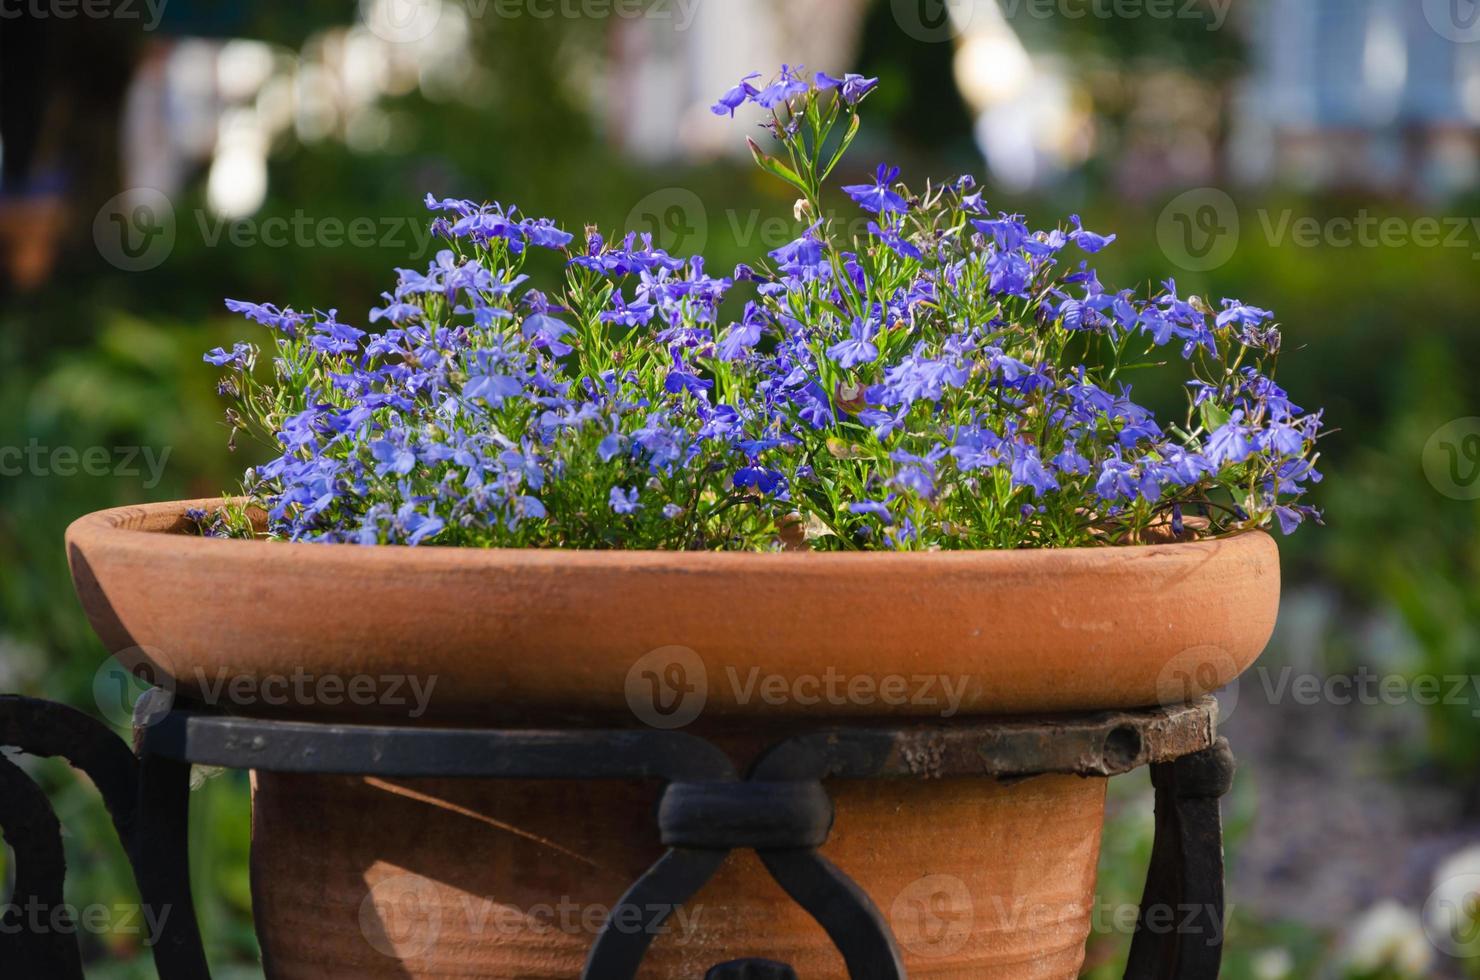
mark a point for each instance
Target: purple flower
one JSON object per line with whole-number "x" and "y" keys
{"x": 1282, "y": 439}
{"x": 891, "y": 236}
{"x": 761, "y": 478}
{"x": 680, "y": 379}
{"x": 1236, "y": 312}
{"x": 1117, "y": 480}
{"x": 1071, "y": 462}
{"x": 544, "y": 233}
{"x": 284, "y": 320}
{"x": 854, "y": 87}
{"x": 917, "y": 475}
{"x": 788, "y": 86}
{"x": 1028, "y": 471}
{"x": 544, "y": 332}
{"x": 735, "y": 97}
{"x": 626, "y": 314}
{"x": 487, "y": 380}
{"x": 396, "y": 310}
{"x": 624, "y": 501}
{"x": 612, "y": 444}
{"x": 878, "y": 197}
{"x": 934, "y": 329}
{"x": 856, "y": 349}
{"x": 1230, "y": 442}
{"x": 417, "y": 526}
{"x": 803, "y": 257}
{"x": 237, "y": 357}
{"x": 1087, "y": 240}
{"x": 333, "y": 337}
{"x": 871, "y": 508}
{"x": 392, "y": 456}
{"x": 882, "y": 422}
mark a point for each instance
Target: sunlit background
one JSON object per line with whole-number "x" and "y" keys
{"x": 1318, "y": 157}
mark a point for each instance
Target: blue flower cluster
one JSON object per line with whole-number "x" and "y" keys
{"x": 953, "y": 379}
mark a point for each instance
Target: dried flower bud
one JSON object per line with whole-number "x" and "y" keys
{"x": 850, "y": 397}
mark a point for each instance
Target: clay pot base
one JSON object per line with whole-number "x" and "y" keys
{"x": 422, "y": 879}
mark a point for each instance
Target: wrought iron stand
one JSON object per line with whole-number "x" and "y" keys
{"x": 781, "y": 810}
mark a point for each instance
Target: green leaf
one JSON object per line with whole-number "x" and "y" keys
{"x": 775, "y": 167}
{"x": 1214, "y": 416}
{"x": 846, "y": 142}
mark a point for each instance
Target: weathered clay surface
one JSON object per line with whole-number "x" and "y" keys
{"x": 557, "y": 635}
{"x": 442, "y": 879}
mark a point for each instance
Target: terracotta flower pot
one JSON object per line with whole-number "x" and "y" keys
{"x": 446, "y": 878}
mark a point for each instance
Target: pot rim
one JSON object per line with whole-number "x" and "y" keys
{"x": 161, "y": 521}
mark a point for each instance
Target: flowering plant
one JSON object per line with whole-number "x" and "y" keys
{"x": 950, "y": 380}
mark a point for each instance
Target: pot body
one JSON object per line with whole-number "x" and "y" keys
{"x": 377, "y": 878}
{"x": 439, "y": 879}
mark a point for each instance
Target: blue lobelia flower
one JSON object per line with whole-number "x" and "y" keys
{"x": 1028, "y": 471}
{"x": 878, "y": 197}
{"x": 917, "y": 475}
{"x": 787, "y": 86}
{"x": 1230, "y": 442}
{"x": 544, "y": 333}
{"x": 856, "y": 349}
{"x": 392, "y": 456}
{"x": 237, "y": 357}
{"x": 1236, "y": 312}
{"x": 545, "y": 233}
{"x": 284, "y": 320}
{"x": 1117, "y": 480}
{"x": 761, "y": 478}
{"x": 736, "y": 97}
{"x": 1087, "y": 240}
{"x": 891, "y": 236}
{"x": 333, "y": 337}
{"x": 611, "y": 445}
{"x": 882, "y": 422}
{"x": 624, "y": 501}
{"x": 417, "y": 526}
{"x": 741, "y": 338}
{"x": 853, "y": 87}
{"x": 871, "y": 508}
{"x": 802, "y": 257}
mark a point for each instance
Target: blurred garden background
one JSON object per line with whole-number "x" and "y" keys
{"x": 1317, "y": 157}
